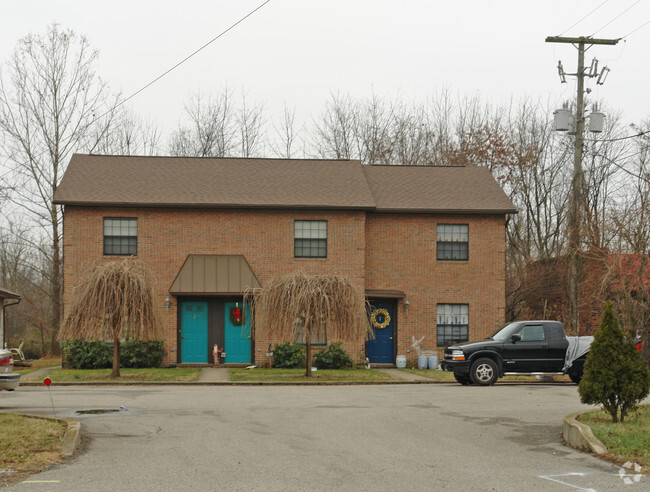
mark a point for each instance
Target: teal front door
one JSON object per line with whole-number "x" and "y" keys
{"x": 237, "y": 337}
{"x": 194, "y": 333}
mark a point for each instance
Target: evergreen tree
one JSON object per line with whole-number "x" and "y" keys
{"x": 615, "y": 374}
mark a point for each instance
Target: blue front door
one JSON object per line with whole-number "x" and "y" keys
{"x": 237, "y": 333}
{"x": 194, "y": 332}
{"x": 382, "y": 319}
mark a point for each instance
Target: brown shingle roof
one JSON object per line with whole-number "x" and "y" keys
{"x": 436, "y": 189}
{"x": 214, "y": 182}
{"x": 95, "y": 180}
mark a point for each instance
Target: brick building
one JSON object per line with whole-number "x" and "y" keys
{"x": 426, "y": 244}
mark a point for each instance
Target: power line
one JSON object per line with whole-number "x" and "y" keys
{"x": 622, "y": 138}
{"x": 632, "y": 32}
{"x": 574, "y": 25}
{"x": 638, "y": 176}
{"x": 184, "y": 59}
{"x": 619, "y": 15}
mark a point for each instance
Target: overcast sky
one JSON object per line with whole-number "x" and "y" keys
{"x": 298, "y": 51}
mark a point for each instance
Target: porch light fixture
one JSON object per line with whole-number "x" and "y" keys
{"x": 167, "y": 304}
{"x": 406, "y": 306}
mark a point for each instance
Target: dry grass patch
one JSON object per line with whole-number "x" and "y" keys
{"x": 28, "y": 445}
{"x": 178, "y": 374}
{"x": 280, "y": 375}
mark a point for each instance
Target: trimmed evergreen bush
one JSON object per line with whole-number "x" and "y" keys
{"x": 288, "y": 355}
{"x": 86, "y": 354}
{"x": 139, "y": 354}
{"x": 333, "y": 357}
{"x": 615, "y": 374}
{"x": 95, "y": 354}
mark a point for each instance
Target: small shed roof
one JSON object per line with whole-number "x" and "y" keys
{"x": 7, "y": 294}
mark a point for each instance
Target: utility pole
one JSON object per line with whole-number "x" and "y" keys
{"x": 577, "y": 183}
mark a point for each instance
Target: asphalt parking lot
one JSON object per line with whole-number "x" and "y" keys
{"x": 393, "y": 437}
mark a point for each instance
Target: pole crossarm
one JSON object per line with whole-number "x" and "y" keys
{"x": 581, "y": 40}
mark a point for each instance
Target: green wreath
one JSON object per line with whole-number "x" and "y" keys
{"x": 377, "y": 324}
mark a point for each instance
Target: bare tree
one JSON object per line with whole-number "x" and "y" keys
{"x": 52, "y": 104}
{"x": 130, "y": 135}
{"x": 212, "y": 127}
{"x": 287, "y": 135}
{"x": 250, "y": 120}
{"x": 334, "y": 132}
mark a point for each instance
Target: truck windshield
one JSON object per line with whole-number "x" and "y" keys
{"x": 505, "y": 332}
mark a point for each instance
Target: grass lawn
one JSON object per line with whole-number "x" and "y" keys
{"x": 279, "y": 375}
{"x": 627, "y": 441}
{"x": 181, "y": 374}
{"x": 28, "y": 445}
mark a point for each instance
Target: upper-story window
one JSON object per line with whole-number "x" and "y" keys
{"x": 452, "y": 242}
{"x": 310, "y": 239}
{"x": 120, "y": 236}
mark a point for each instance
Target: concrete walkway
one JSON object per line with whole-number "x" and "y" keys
{"x": 408, "y": 376}
{"x": 38, "y": 374}
{"x": 214, "y": 375}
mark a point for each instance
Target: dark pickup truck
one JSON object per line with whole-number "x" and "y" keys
{"x": 521, "y": 347}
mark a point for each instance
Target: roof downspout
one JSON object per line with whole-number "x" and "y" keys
{"x": 4, "y": 320}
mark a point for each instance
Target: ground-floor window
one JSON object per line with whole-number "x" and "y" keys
{"x": 452, "y": 324}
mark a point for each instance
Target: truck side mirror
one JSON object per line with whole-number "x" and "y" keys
{"x": 515, "y": 338}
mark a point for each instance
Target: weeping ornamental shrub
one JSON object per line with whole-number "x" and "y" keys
{"x": 333, "y": 357}
{"x": 615, "y": 374}
{"x": 288, "y": 356}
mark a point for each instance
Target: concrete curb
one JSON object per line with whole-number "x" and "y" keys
{"x": 72, "y": 437}
{"x": 580, "y": 435}
{"x": 281, "y": 383}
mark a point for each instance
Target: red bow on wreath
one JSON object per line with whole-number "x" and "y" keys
{"x": 235, "y": 316}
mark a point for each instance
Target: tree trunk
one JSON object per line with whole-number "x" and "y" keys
{"x": 116, "y": 358}
{"x": 56, "y": 283}
{"x": 308, "y": 354}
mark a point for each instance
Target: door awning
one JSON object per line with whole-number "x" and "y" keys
{"x": 214, "y": 275}
{"x": 384, "y": 293}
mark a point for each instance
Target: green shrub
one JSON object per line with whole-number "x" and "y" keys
{"x": 87, "y": 354}
{"x": 615, "y": 374}
{"x": 333, "y": 357}
{"x": 288, "y": 355}
{"x": 136, "y": 353}
{"x": 95, "y": 354}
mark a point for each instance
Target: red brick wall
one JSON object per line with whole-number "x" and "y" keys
{"x": 265, "y": 238}
{"x": 402, "y": 255}
{"x": 377, "y": 251}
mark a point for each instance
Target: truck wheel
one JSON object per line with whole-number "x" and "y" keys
{"x": 575, "y": 377}
{"x": 463, "y": 379}
{"x": 484, "y": 372}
